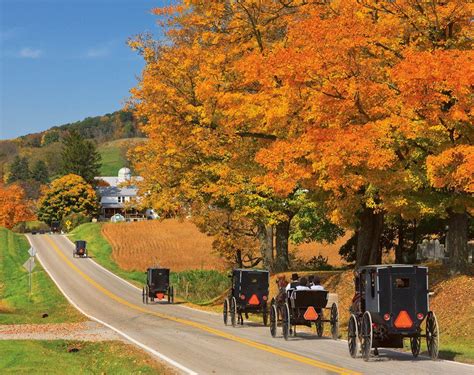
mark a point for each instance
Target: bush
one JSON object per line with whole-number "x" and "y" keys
{"x": 200, "y": 286}
{"x": 30, "y": 226}
{"x": 75, "y": 219}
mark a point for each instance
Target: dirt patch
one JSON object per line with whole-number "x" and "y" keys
{"x": 171, "y": 243}
{"x": 85, "y": 331}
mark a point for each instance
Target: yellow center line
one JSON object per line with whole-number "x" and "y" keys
{"x": 203, "y": 327}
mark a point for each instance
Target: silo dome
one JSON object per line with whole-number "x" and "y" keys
{"x": 125, "y": 174}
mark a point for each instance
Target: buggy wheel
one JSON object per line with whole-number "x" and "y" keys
{"x": 285, "y": 320}
{"x": 366, "y": 335}
{"x": 273, "y": 320}
{"x": 233, "y": 312}
{"x": 265, "y": 315}
{"x": 353, "y": 336}
{"x": 415, "y": 344}
{"x": 169, "y": 294}
{"x": 334, "y": 321}
{"x": 432, "y": 335}
{"x": 143, "y": 295}
{"x": 225, "y": 311}
{"x": 320, "y": 326}
{"x": 147, "y": 294}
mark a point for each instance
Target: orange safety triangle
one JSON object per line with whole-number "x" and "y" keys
{"x": 310, "y": 314}
{"x": 403, "y": 320}
{"x": 160, "y": 295}
{"x": 254, "y": 300}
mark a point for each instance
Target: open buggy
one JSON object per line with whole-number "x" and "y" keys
{"x": 390, "y": 304}
{"x": 80, "y": 249}
{"x": 249, "y": 294}
{"x": 157, "y": 285}
{"x": 305, "y": 308}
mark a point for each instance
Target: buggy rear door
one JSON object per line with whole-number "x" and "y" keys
{"x": 404, "y": 294}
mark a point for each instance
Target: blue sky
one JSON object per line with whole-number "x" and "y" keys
{"x": 64, "y": 60}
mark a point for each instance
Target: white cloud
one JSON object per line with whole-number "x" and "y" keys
{"x": 94, "y": 53}
{"x": 30, "y": 53}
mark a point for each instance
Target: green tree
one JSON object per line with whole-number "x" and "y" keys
{"x": 40, "y": 172}
{"x": 80, "y": 157}
{"x": 67, "y": 195}
{"x": 19, "y": 170}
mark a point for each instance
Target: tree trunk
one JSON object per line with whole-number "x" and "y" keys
{"x": 265, "y": 237}
{"x": 282, "y": 262}
{"x": 368, "y": 240}
{"x": 457, "y": 242}
{"x": 401, "y": 243}
{"x": 238, "y": 259}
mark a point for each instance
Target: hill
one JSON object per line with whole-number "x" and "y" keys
{"x": 114, "y": 155}
{"x": 46, "y": 145}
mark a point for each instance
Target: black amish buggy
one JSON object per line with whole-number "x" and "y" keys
{"x": 55, "y": 226}
{"x": 303, "y": 308}
{"x": 249, "y": 294}
{"x": 157, "y": 285}
{"x": 80, "y": 249}
{"x": 390, "y": 304}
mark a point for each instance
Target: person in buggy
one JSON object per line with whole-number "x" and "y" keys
{"x": 317, "y": 284}
{"x": 294, "y": 282}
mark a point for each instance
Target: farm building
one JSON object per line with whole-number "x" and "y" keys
{"x": 116, "y": 193}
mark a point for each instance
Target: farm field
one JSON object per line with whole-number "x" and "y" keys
{"x": 170, "y": 243}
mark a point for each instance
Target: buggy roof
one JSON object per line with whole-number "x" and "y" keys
{"x": 157, "y": 269}
{"x": 248, "y": 270}
{"x": 381, "y": 266}
{"x": 80, "y": 242}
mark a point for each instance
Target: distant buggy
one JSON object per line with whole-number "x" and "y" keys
{"x": 157, "y": 286}
{"x": 390, "y": 304}
{"x": 303, "y": 308}
{"x": 248, "y": 294}
{"x": 80, "y": 249}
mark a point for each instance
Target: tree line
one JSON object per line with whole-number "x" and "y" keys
{"x": 271, "y": 120}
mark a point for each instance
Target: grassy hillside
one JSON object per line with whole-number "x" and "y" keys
{"x": 16, "y": 306}
{"x": 113, "y": 155}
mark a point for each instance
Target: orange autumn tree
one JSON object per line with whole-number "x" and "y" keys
{"x": 14, "y": 206}
{"x": 353, "y": 137}
{"x": 200, "y": 157}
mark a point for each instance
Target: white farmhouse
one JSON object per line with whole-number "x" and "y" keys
{"x": 115, "y": 192}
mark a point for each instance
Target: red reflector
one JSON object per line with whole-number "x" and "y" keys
{"x": 160, "y": 295}
{"x": 242, "y": 297}
{"x": 310, "y": 314}
{"x": 254, "y": 300}
{"x": 265, "y": 298}
{"x": 420, "y": 316}
{"x": 386, "y": 317}
{"x": 403, "y": 320}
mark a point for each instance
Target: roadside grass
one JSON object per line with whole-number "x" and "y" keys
{"x": 200, "y": 287}
{"x": 56, "y": 357}
{"x": 16, "y": 306}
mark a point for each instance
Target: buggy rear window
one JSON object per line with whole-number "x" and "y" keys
{"x": 402, "y": 282}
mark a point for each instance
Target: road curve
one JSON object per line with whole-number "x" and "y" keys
{"x": 194, "y": 341}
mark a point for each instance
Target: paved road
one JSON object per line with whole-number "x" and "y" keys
{"x": 198, "y": 342}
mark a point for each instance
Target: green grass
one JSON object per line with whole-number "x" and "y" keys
{"x": 196, "y": 286}
{"x": 53, "y": 357}
{"x": 112, "y": 159}
{"x": 16, "y": 306}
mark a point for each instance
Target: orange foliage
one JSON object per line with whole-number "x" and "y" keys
{"x": 14, "y": 207}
